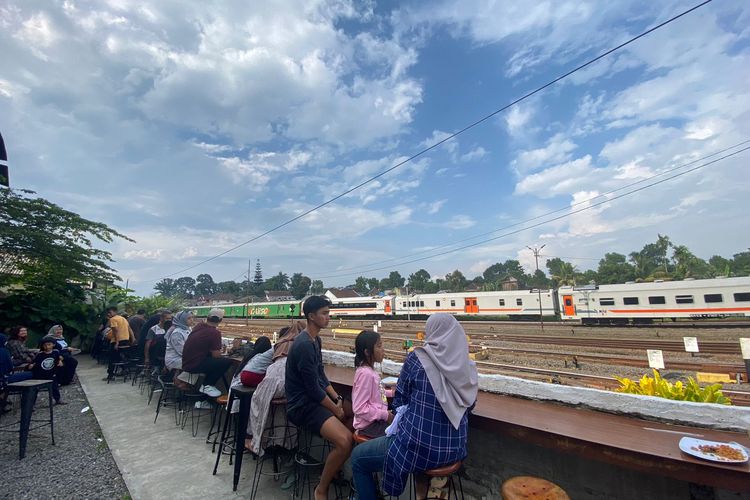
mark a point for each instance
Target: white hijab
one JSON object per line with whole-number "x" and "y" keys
{"x": 445, "y": 358}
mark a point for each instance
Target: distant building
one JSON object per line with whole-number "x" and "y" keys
{"x": 278, "y": 295}
{"x": 341, "y": 293}
{"x": 508, "y": 284}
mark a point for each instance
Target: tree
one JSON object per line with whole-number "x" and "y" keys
{"x": 317, "y": 288}
{"x": 361, "y": 285}
{"x": 299, "y": 285}
{"x": 456, "y": 281}
{"x": 538, "y": 280}
{"x": 495, "y": 273}
{"x": 561, "y": 272}
{"x": 720, "y": 266}
{"x": 185, "y": 286}
{"x": 687, "y": 265}
{"x": 258, "y": 279}
{"x": 52, "y": 265}
{"x": 278, "y": 282}
{"x": 229, "y": 288}
{"x": 418, "y": 280}
{"x": 372, "y": 284}
{"x": 741, "y": 264}
{"x": 204, "y": 285}
{"x": 515, "y": 269}
{"x": 396, "y": 280}
{"x": 614, "y": 268}
{"x": 166, "y": 287}
{"x": 431, "y": 287}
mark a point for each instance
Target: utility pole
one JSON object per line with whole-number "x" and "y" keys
{"x": 247, "y": 294}
{"x": 4, "y": 175}
{"x": 538, "y": 289}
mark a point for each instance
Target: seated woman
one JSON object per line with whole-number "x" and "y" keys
{"x": 259, "y": 360}
{"x": 270, "y": 388}
{"x": 437, "y": 386}
{"x": 65, "y": 373}
{"x": 175, "y": 338}
{"x": 22, "y": 356}
{"x": 369, "y": 401}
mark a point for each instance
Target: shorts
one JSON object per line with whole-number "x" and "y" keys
{"x": 311, "y": 417}
{"x": 375, "y": 429}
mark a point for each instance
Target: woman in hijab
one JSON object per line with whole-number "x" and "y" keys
{"x": 182, "y": 324}
{"x": 437, "y": 388}
{"x": 66, "y": 372}
{"x": 270, "y": 388}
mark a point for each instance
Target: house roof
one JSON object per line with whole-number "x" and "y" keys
{"x": 343, "y": 293}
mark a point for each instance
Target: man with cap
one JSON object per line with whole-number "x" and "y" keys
{"x": 202, "y": 352}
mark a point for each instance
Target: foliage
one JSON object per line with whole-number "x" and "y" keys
{"x": 258, "y": 278}
{"x": 614, "y": 268}
{"x": 317, "y": 288}
{"x": 278, "y": 282}
{"x": 204, "y": 285}
{"x": 562, "y": 273}
{"x": 299, "y": 285}
{"x": 456, "y": 281}
{"x": 661, "y": 388}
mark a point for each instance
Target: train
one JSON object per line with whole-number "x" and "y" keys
{"x": 619, "y": 304}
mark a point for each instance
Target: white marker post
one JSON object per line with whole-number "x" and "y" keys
{"x": 745, "y": 347}
{"x": 655, "y": 359}
{"x": 380, "y": 323}
{"x": 375, "y": 328}
{"x": 691, "y": 345}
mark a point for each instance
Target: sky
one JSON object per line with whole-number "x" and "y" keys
{"x": 193, "y": 127}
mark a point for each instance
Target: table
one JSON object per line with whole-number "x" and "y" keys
{"x": 29, "y": 390}
{"x": 244, "y": 394}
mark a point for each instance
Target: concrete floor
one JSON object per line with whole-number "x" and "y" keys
{"x": 159, "y": 460}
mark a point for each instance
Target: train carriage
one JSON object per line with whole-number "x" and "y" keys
{"x": 362, "y": 306}
{"x": 513, "y": 304}
{"x": 644, "y": 302}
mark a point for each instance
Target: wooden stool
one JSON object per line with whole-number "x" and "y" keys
{"x": 532, "y": 488}
{"x": 360, "y": 438}
{"x": 446, "y": 471}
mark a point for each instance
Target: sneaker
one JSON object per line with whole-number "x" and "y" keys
{"x": 210, "y": 390}
{"x": 203, "y": 405}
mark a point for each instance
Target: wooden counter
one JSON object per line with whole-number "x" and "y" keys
{"x": 617, "y": 439}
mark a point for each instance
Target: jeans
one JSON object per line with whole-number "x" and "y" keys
{"x": 214, "y": 368}
{"x": 368, "y": 458}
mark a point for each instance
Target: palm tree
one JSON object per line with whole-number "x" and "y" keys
{"x": 566, "y": 274}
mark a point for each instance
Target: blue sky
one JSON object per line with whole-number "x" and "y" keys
{"x": 191, "y": 127}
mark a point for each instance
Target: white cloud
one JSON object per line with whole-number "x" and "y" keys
{"x": 562, "y": 179}
{"x": 558, "y": 149}
{"x": 435, "y": 206}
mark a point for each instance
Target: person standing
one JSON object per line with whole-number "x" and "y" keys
{"x": 136, "y": 323}
{"x": 120, "y": 339}
{"x": 202, "y": 352}
{"x": 312, "y": 402}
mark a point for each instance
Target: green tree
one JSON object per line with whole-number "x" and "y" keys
{"x": 687, "y": 265}
{"x": 418, "y": 280}
{"x": 741, "y": 264}
{"x": 317, "y": 288}
{"x": 52, "y": 260}
{"x": 395, "y": 279}
{"x": 372, "y": 283}
{"x": 258, "y": 278}
{"x": 515, "y": 269}
{"x": 185, "y": 286}
{"x": 278, "y": 282}
{"x": 720, "y": 266}
{"x": 361, "y": 285}
{"x": 456, "y": 281}
{"x": 431, "y": 287}
{"x": 495, "y": 273}
{"x": 538, "y": 280}
{"x": 166, "y": 287}
{"x": 229, "y": 288}
{"x": 614, "y": 268}
{"x": 561, "y": 272}
{"x": 204, "y": 285}
{"x": 299, "y": 285}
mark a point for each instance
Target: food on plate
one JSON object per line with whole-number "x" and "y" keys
{"x": 721, "y": 451}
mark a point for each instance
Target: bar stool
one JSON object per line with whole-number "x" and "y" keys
{"x": 244, "y": 394}
{"x": 221, "y": 404}
{"x": 168, "y": 395}
{"x": 276, "y": 436}
{"x": 190, "y": 402}
{"x": 531, "y": 488}
{"x": 447, "y": 472}
{"x": 29, "y": 389}
{"x": 359, "y": 439}
{"x": 308, "y": 467}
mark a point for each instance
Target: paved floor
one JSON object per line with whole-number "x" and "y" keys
{"x": 160, "y": 460}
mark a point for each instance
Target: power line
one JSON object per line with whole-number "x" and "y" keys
{"x": 552, "y": 212}
{"x": 661, "y": 181}
{"x": 446, "y": 139}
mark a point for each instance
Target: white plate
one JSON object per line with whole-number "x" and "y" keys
{"x": 390, "y": 381}
{"x": 690, "y": 446}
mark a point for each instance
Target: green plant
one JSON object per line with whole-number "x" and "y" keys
{"x": 661, "y": 388}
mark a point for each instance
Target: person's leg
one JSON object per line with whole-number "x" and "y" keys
{"x": 214, "y": 368}
{"x": 368, "y": 458}
{"x": 114, "y": 357}
{"x": 337, "y": 433}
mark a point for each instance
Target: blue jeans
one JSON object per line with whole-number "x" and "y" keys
{"x": 19, "y": 377}
{"x": 368, "y": 458}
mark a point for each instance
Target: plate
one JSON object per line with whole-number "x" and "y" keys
{"x": 691, "y": 446}
{"x": 390, "y": 381}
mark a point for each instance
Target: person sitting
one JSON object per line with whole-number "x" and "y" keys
{"x": 22, "y": 356}
{"x": 8, "y": 375}
{"x": 120, "y": 338}
{"x": 46, "y": 364}
{"x": 155, "y": 346}
{"x": 312, "y": 402}
{"x": 258, "y": 361}
{"x": 202, "y": 353}
{"x": 270, "y": 388}
{"x": 66, "y": 373}
{"x": 175, "y": 338}
{"x": 136, "y": 322}
{"x": 437, "y": 387}
{"x": 369, "y": 401}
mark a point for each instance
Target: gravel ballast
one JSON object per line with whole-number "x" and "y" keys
{"x": 79, "y": 466}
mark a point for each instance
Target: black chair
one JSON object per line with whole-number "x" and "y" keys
{"x": 275, "y": 438}
{"x": 244, "y": 394}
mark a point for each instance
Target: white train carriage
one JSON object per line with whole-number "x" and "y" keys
{"x": 362, "y": 306}
{"x": 644, "y": 302}
{"x": 514, "y": 304}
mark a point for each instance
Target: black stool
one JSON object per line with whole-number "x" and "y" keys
{"x": 447, "y": 471}
{"x": 188, "y": 400}
{"x": 276, "y": 436}
{"x": 221, "y": 403}
{"x": 29, "y": 390}
{"x": 308, "y": 467}
{"x": 244, "y": 394}
{"x": 168, "y": 395}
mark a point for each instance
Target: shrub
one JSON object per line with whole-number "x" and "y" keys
{"x": 658, "y": 387}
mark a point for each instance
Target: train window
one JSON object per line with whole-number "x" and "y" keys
{"x": 403, "y": 304}
{"x": 658, "y": 299}
{"x": 713, "y": 298}
{"x": 630, "y": 301}
{"x": 742, "y": 297}
{"x": 684, "y": 299}
{"x": 501, "y": 302}
{"x": 421, "y": 303}
{"x": 607, "y": 302}
{"x": 568, "y": 302}
{"x": 437, "y": 303}
{"x": 519, "y": 302}
{"x": 453, "y": 303}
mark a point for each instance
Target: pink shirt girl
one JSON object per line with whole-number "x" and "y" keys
{"x": 369, "y": 401}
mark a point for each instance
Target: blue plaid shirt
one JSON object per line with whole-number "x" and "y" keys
{"x": 426, "y": 439}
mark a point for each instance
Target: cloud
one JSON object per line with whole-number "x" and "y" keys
{"x": 558, "y": 149}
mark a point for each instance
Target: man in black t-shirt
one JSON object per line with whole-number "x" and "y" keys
{"x": 45, "y": 363}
